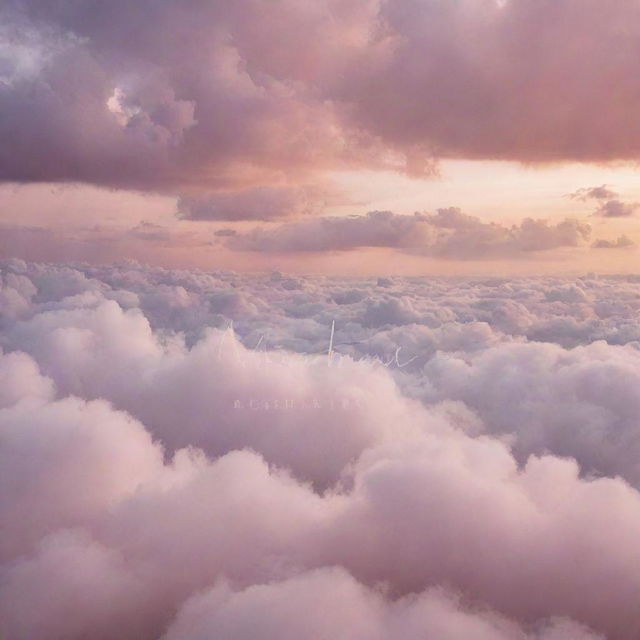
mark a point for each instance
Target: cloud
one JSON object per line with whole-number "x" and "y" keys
{"x": 377, "y": 228}
{"x": 449, "y": 233}
{"x": 451, "y": 80}
{"x": 463, "y": 465}
{"x": 594, "y": 193}
{"x": 355, "y": 610}
{"x": 195, "y": 97}
{"x": 130, "y": 104}
{"x": 610, "y": 205}
{"x": 616, "y": 209}
{"x": 558, "y": 400}
{"x": 281, "y": 389}
{"x": 623, "y": 242}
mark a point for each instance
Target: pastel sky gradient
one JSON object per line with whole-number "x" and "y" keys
{"x": 319, "y": 319}
{"x": 174, "y": 132}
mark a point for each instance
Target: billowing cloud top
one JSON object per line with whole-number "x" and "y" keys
{"x": 178, "y": 95}
{"x": 461, "y": 462}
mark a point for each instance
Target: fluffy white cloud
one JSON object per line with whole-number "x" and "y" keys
{"x": 298, "y": 607}
{"x": 462, "y": 464}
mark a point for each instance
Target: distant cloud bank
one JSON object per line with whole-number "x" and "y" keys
{"x": 448, "y": 233}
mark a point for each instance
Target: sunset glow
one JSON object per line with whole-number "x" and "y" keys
{"x": 319, "y": 319}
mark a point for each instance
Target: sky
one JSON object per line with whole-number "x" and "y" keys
{"x": 319, "y": 319}
{"x": 185, "y": 133}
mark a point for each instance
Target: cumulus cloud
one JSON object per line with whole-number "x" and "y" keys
{"x": 355, "y": 611}
{"x": 225, "y": 233}
{"x": 616, "y": 209}
{"x": 449, "y": 233}
{"x": 376, "y": 229}
{"x": 189, "y": 96}
{"x": 622, "y": 242}
{"x": 172, "y": 97}
{"x": 610, "y": 205}
{"x": 442, "y": 457}
{"x": 594, "y": 193}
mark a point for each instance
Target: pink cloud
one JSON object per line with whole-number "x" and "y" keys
{"x": 135, "y": 492}
{"x": 448, "y": 233}
{"x": 188, "y": 97}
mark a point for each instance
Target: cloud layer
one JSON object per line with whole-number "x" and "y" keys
{"x": 212, "y": 95}
{"x": 448, "y": 233}
{"x": 459, "y": 460}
